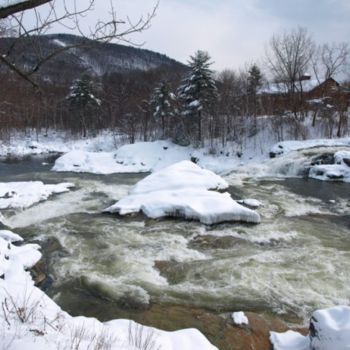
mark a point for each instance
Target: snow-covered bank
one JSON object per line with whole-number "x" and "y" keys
{"x": 183, "y": 190}
{"x": 143, "y": 157}
{"x": 31, "y": 320}
{"x": 21, "y": 195}
{"x": 329, "y": 330}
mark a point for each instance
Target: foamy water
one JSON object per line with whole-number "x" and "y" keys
{"x": 296, "y": 260}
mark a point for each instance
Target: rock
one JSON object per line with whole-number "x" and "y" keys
{"x": 38, "y": 273}
{"x": 250, "y": 203}
{"x": 204, "y": 242}
{"x": 335, "y": 176}
{"x": 219, "y": 329}
{"x": 325, "y": 158}
{"x": 346, "y": 161}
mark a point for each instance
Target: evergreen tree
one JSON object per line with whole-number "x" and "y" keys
{"x": 198, "y": 91}
{"x": 255, "y": 82}
{"x": 163, "y": 107}
{"x": 82, "y": 100}
{"x": 255, "y": 79}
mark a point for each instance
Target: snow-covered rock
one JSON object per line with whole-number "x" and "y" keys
{"x": 10, "y": 236}
{"x": 31, "y": 320}
{"x": 25, "y": 194}
{"x": 329, "y": 330}
{"x": 289, "y": 341}
{"x": 239, "y": 318}
{"x": 250, "y": 203}
{"x": 183, "y": 190}
{"x": 340, "y": 171}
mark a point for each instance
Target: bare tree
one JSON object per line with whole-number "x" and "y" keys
{"x": 72, "y": 17}
{"x": 330, "y": 60}
{"x": 289, "y": 57}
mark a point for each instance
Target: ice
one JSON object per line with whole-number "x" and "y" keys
{"x": 183, "y": 190}
{"x": 25, "y": 194}
{"x": 240, "y": 318}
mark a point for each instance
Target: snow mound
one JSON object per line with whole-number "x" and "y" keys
{"x": 240, "y": 318}
{"x": 182, "y": 190}
{"x": 329, "y": 330}
{"x": 31, "y": 320}
{"x": 141, "y": 157}
{"x": 21, "y": 195}
{"x": 289, "y": 341}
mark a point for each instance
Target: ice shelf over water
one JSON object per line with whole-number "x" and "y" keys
{"x": 21, "y": 195}
{"x": 183, "y": 190}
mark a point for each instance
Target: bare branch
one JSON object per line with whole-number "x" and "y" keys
{"x": 21, "y": 6}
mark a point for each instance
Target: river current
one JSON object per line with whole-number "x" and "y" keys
{"x": 296, "y": 260}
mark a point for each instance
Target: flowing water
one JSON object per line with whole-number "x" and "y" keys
{"x": 296, "y": 260}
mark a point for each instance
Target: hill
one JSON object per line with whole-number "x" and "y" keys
{"x": 78, "y": 55}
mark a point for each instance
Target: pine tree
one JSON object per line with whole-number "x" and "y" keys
{"x": 163, "y": 106}
{"x": 255, "y": 79}
{"x": 198, "y": 90}
{"x": 82, "y": 99}
{"x": 255, "y": 82}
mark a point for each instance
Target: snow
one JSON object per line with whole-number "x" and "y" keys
{"x": 329, "y": 330}
{"x": 250, "y": 203}
{"x": 10, "y": 236}
{"x": 340, "y": 171}
{"x": 183, "y": 189}
{"x": 289, "y": 341}
{"x": 31, "y": 320}
{"x": 281, "y": 88}
{"x": 21, "y": 195}
{"x": 60, "y": 42}
{"x": 239, "y": 318}
{"x": 289, "y": 146}
{"x": 140, "y": 157}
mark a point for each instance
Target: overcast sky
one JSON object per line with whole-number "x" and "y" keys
{"x": 232, "y": 31}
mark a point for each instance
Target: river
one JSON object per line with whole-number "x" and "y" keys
{"x": 296, "y": 260}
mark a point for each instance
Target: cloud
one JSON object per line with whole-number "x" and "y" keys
{"x": 232, "y": 31}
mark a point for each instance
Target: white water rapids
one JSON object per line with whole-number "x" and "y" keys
{"x": 296, "y": 260}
